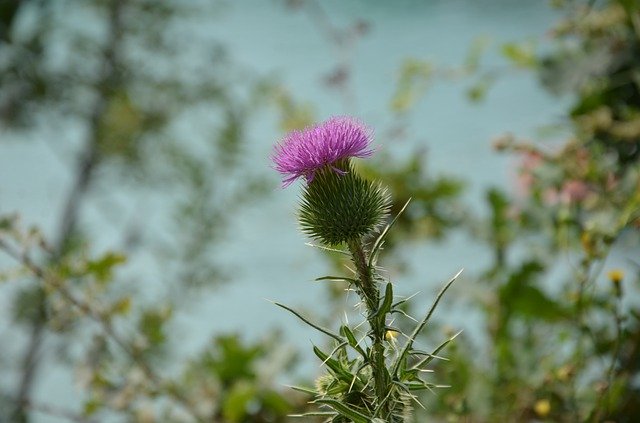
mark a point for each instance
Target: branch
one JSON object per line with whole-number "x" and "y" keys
{"x": 97, "y": 317}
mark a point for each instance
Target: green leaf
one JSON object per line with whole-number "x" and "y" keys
{"x": 334, "y": 364}
{"x": 375, "y": 250}
{"x": 316, "y": 414}
{"x": 403, "y": 354}
{"x": 353, "y": 342}
{"x": 336, "y": 279}
{"x": 532, "y": 303}
{"x": 102, "y": 268}
{"x": 434, "y": 353}
{"x": 152, "y": 325}
{"x": 522, "y": 298}
{"x": 304, "y": 390}
{"x": 385, "y": 307}
{"x": 236, "y": 403}
{"x": 275, "y": 403}
{"x": 345, "y": 410}
{"x": 522, "y": 55}
{"x": 229, "y": 360}
{"x": 313, "y": 325}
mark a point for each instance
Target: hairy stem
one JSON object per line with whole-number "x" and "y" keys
{"x": 370, "y": 294}
{"x": 84, "y": 175}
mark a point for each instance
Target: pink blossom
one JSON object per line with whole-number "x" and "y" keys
{"x": 303, "y": 153}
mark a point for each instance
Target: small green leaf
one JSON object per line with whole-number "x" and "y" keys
{"x": 433, "y": 355}
{"x": 316, "y": 414}
{"x": 522, "y": 55}
{"x": 337, "y": 279}
{"x": 333, "y": 364}
{"x": 236, "y": 403}
{"x": 102, "y": 268}
{"x": 313, "y": 325}
{"x": 345, "y": 410}
{"x": 347, "y": 333}
{"x": 403, "y": 354}
{"x": 375, "y": 250}
{"x": 304, "y": 390}
{"x": 385, "y": 308}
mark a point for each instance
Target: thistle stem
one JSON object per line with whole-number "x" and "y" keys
{"x": 370, "y": 294}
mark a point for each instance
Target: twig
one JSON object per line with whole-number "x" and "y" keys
{"x": 97, "y": 317}
{"x": 57, "y": 412}
{"x": 86, "y": 167}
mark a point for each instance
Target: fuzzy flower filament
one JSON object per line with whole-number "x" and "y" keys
{"x": 304, "y": 153}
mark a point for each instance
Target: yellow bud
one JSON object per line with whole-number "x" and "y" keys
{"x": 390, "y": 335}
{"x": 588, "y": 243}
{"x": 564, "y": 373}
{"x": 542, "y": 407}
{"x": 615, "y": 275}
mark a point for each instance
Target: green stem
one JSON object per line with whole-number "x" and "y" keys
{"x": 370, "y": 294}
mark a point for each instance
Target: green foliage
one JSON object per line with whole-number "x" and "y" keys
{"x": 521, "y": 55}
{"x": 578, "y": 201}
{"x": 108, "y": 103}
{"x": 374, "y": 381}
{"x": 415, "y": 77}
{"x": 102, "y": 268}
{"x": 234, "y": 372}
{"x": 559, "y": 346}
{"x": 435, "y": 200}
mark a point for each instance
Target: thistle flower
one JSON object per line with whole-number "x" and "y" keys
{"x": 304, "y": 153}
{"x": 338, "y": 206}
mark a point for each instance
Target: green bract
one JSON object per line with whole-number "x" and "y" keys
{"x": 339, "y": 208}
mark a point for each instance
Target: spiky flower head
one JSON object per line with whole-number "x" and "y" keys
{"x": 303, "y": 153}
{"x": 337, "y": 204}
{"x": 342, "y": 207}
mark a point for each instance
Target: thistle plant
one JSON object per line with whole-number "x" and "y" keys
{"x": 372, "y": 378}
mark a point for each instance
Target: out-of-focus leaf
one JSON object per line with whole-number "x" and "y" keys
{"x": 415, "y": 77}
{"x": 525, "y": 299}
{"x": 230, "y": 360}
{"x": 103, "y": 267}
{"x": 521, "y": 55}
{"x": 236, "y": 404}
{"x": 152, "y": 326}
{"x": 276, "y": 403}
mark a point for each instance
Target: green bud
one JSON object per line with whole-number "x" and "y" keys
{"x": 338, "y": 208}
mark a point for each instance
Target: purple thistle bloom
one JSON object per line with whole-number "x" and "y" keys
{"x": 303, "y": 153}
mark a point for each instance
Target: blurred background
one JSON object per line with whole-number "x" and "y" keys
{"x": 143, "y": 233}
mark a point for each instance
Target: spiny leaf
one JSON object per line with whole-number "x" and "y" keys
{"x": 398, "y": 303}
{"x": 313, "y": 325}
{"x": 386, "y": 304}
{"x": 428, "y": 359}
{"x": 333, "y": 250}
{"x": 333, "y": 364}
{"x": 420, "y": 326}
{"x": 378, "y": 244}
{"x": 337, "y": 279}
{"x": 304, "y": 390}
{"x": 424, "y": 353}
{"x": 316, "y": 414}
{"x": 345, "y": 410}
{"x": 346, "y": 331}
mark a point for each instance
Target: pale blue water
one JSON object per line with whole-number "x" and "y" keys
{"x": 266, "y": 251}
